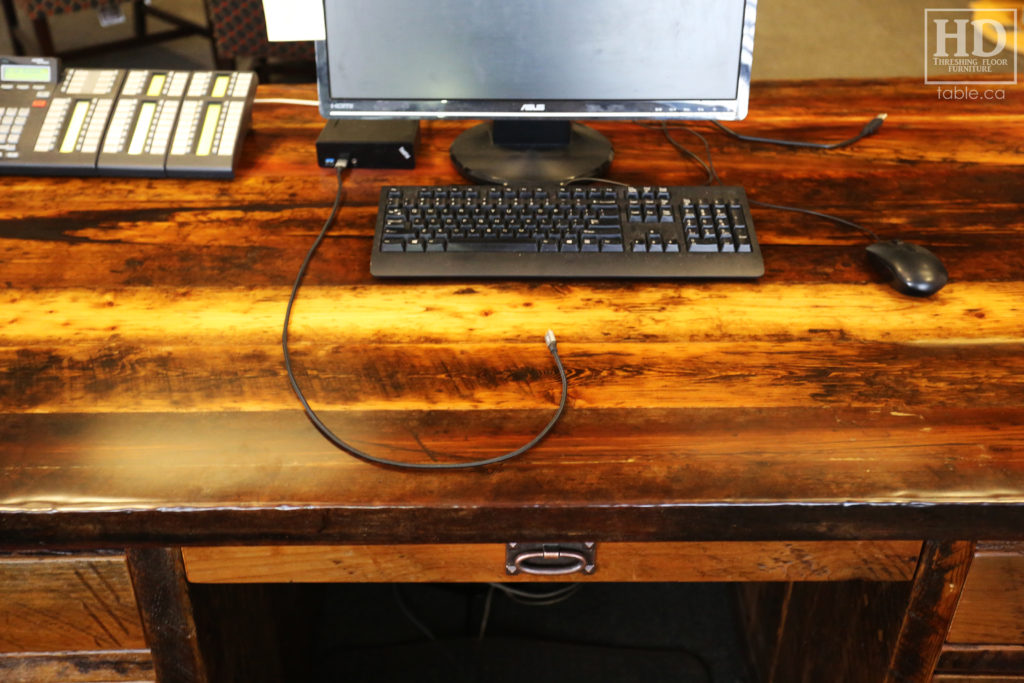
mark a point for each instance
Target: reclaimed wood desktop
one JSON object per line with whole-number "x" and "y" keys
{"x": 845, "y": 452}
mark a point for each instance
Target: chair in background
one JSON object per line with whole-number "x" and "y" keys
{"x": 39, "y": 11}
{"x": 240, "y": 31}
{"x": 12, "y": 23}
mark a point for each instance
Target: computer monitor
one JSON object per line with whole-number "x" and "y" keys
{"x": 533, "y": 68}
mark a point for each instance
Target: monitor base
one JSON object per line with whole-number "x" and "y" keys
{"x": 584, "y": 153}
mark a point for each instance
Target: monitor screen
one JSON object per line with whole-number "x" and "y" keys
{"x": 536, "y": 59}
{"x": 576, "y": 58}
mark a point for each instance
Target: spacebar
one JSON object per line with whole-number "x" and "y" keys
{"x": 492, "y": 245}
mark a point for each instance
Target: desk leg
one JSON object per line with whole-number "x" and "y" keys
{"x": 158, "y": 577}
{"x": 938, "y": 582}
{"x": 856, "y": 631}
{"x": 250, "y": 633}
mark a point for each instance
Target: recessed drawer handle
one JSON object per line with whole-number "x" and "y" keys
{"x": 549, "y": 560}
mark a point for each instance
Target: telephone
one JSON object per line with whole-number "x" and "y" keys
{"x": 121, "y": 122}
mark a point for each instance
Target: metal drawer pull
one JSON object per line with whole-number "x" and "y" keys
{"x": 550, "y": 559}
{"x": 524, "y": 562}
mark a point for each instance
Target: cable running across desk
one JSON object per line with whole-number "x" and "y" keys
{"x": 715, "y": 179}
{"x": 870, "y": 128}
{"x": 549, "y": 340}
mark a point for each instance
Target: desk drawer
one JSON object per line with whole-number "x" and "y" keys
{"x": 732, "y": 561}
{"x": 70, "y": 618}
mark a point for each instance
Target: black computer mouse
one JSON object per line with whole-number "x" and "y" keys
{"x": 910, "y": 268}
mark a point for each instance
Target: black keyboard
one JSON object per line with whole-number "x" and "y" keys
{"x": 554, "y": 231}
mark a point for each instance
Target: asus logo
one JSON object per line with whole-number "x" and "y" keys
{"x": 532, "y": 107}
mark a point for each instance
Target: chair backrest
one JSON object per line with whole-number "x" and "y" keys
{"x": 240, "y": 30}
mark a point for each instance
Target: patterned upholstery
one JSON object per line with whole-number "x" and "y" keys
{"x": 239, "y": 30}
{"x": 45, "y": 8}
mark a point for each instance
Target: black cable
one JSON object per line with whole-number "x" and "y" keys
{"x": 870, "y": 128}
{"x": 713, "y": 178}
{"x": 545, "y": 599}
{"x": 408, "y": 613}
{"x": 425, "y": 630}
{"x": 685, "y": 151}
{"x": 835, "y": 219}
{"x": 549, "y": 340}
{"x": 487, "y": 612}
{"x": 589, "y": 179}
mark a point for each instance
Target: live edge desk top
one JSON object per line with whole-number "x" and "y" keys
{"x": 143, "y": 398}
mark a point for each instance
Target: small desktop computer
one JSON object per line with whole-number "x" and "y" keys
{"x": 531, "y": 68}
{"x": 535, "y": 71}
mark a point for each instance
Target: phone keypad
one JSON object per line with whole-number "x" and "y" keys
{"x": 134, "y": 122}
{"x": 12, "y": 124}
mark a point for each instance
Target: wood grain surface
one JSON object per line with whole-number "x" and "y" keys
{"x": 622, "y": 562}
{"x": 143, "y": 394}
{"x": 121, "y": 666}
{"x": 62, "y": 604}
{"x": 935, "y": 592}
{"x": 991, "y": 610}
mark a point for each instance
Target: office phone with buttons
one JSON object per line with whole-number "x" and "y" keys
{"x": 121, "y": 122}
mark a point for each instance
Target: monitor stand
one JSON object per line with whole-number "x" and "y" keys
{"x": 516, "y": 152}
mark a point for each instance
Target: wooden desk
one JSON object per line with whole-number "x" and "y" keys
{"x": 840, "y": 447}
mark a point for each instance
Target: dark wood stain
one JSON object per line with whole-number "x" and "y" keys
{"x": 143, "y": 401}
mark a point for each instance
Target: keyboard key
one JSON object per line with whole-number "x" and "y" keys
{"x": 737, "y": 217}
{"x": 492, "y": 246}
{"x": 390, "y": 233}
{"x": 702, "y": 246}
{"x": 601, "y": 231}
{"x": 605, "y": 220}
